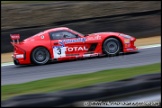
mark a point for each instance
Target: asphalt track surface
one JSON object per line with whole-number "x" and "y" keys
{"x": 19, "y": 74}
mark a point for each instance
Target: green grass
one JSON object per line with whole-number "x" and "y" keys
{"x": 75, "y": 81}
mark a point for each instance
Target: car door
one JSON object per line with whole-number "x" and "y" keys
{"x": 66, "y": 44}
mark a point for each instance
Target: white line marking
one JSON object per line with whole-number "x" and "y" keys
{"x": 149, "y": 46}
{"x": 7, "y": 64}
{"x": 139, "y": 47}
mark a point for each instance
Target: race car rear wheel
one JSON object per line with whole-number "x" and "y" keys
{"x": 111, "y": 46}
{"x": 40, "y": 56}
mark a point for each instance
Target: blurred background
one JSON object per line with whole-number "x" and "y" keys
{"x": 137, "y": 18}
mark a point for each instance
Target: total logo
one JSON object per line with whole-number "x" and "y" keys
{"x": 70, "y": 49}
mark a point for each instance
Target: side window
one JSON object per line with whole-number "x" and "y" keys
{"x": 69, "y": 35}
{"x": 57, "y": 35}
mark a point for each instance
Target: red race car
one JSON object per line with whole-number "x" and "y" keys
{"x": 66, "y": 44}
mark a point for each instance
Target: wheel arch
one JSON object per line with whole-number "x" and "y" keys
{"x": 116, "y": 37}
{"x": 37, "y": 47}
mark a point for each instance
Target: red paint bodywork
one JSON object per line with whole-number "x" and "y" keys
{"x": 43, "y": 39}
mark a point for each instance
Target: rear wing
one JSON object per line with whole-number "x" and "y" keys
{"x": 15, "y": 38}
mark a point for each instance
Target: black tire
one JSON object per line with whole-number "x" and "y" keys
{"x": 111, "y": 46}
{"x": 40, "y": 56}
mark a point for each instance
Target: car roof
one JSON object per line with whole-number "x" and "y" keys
{"x": 56, "y": 29}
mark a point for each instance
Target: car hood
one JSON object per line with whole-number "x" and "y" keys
{"x": 104, "y": 33}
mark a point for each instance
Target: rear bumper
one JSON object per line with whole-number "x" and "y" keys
{"x": 19, "y": 59}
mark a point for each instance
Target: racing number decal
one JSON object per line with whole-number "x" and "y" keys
{"x": 59, "y": 51}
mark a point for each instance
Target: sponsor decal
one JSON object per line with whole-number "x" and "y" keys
{"x": 97, "y": 37}
{"x": 67, "y": 41}
{"x": 15, "y": 36}
{"x": 90, "y": 55}
{"x": 70, "y": 49}
{"x": 59, "y": 51}
{"x": 62, "y": 42}
{"x": 20, "y": 56}
{"x": 42, "y": 37}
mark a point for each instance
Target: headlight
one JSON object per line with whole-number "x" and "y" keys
{"x": 126, "y": 40}
{"x": 125, "y": 36}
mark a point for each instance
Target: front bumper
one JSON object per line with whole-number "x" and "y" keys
{"x": 129, "y": 45}
{"x": 131, "y": 49}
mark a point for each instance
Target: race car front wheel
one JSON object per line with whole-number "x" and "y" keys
{"x": 111, "y": 46}
{"x": 40, "y": 56}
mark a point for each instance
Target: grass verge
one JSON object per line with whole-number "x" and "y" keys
{"x": 75, "y": 81}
